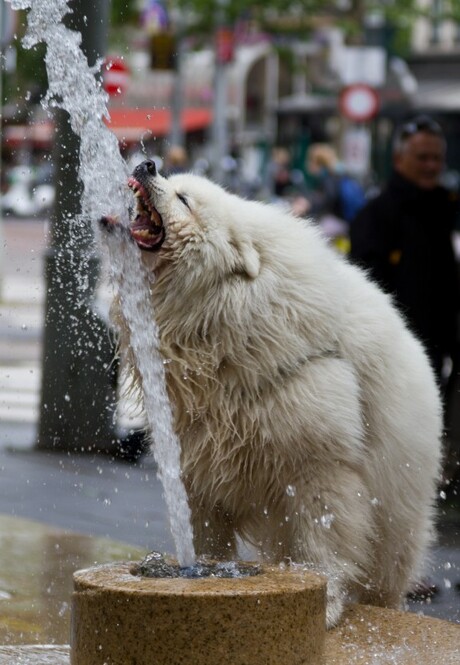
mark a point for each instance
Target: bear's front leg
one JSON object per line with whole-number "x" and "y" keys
{"x": 328, "y": 527}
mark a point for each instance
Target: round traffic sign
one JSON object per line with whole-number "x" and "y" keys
{"x": 359, "y": 102}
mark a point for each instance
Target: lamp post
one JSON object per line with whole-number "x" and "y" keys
{"x": 78, "y": 379}
{"x": 6, "y": 35}
{"x": 177, "y": 135}
{"x": 223, "y": 55}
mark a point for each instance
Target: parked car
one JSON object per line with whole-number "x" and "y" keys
{"x": 30, "y": 191}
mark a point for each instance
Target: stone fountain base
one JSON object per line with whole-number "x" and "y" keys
{"x": 275, "y": 617}
{"x": 366, "y": 636}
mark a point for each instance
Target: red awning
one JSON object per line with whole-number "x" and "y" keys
{"x": 39, "y": 134}
{"x": 129, "y": 125}
{"x": 135, "y": 124}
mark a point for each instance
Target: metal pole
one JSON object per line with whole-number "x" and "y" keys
{"x": 436, "y": 22}
{"x": 219, "y": 133}
{"x": 177, "y": 136}
{"x": 3, "y": 45}
{"x": 78, "y": 379}
{"x": 219, "y": 127}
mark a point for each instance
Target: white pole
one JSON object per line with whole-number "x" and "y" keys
{"x": 177, "y": 134}
{"x": 219, "y": 129}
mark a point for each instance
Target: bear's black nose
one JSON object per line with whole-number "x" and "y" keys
{"x": 145, "y": 168}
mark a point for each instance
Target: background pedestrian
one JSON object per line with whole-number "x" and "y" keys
{"x": 404, "y": 237}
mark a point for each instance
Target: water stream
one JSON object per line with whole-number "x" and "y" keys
{"x": 75, "y": 87}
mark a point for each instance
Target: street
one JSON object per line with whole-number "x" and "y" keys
{"x": 24, "y": 242}
{"x": 98, "y": 495}
{"x": 94, "y": 495}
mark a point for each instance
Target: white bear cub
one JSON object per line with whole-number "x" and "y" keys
{"x": 308, "y": 414}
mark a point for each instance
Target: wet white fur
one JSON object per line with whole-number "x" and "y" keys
{"x": 308, "y": 415}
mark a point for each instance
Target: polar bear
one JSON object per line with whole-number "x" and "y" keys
{"x": 308, "y": 415}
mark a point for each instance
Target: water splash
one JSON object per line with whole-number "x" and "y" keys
{"x": 75, "y": 87}
{"x": 156, "y": 565}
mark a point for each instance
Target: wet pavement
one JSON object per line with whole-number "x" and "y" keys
{"x": 93, "y": 497}
{"x": 37, "y": 563}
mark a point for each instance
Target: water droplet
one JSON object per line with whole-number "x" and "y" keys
{"x": 443, "y": 495}
{"x": 63, "y": 609}
{"x": 326, "y": 520}
{"x": 67, "y": 397}
{"x": 291, "y": 490}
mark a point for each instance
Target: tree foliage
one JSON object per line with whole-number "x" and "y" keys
{"x": 349, "y": 14}
{"x": 122, "y": 12}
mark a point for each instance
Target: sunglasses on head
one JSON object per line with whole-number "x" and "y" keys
{"x": 421, "y": 124}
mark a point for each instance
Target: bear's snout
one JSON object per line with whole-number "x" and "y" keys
{"x": 146, "y": 168}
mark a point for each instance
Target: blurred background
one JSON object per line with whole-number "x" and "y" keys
{"x": 234, "y": 90}
{"x": 228, "y": 80}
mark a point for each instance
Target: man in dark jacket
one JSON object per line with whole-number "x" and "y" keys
{"x": 404, "y": 236}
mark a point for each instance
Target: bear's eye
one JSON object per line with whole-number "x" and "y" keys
{"x": 182, "y": 198}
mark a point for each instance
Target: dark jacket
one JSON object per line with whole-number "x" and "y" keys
{"x": 404, "y": 237}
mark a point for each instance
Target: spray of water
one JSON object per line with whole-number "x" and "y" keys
{"x": 75, "y": 87}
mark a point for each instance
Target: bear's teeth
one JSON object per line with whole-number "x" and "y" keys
{"x": 144, "y": 233}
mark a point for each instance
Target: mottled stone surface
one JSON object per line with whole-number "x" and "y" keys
{"x": 367, "y": 636}
{"x": 375, "y": 636}
{"x": 273, "y": 618}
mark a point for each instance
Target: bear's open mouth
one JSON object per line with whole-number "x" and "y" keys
{"x": 147, "y": 229}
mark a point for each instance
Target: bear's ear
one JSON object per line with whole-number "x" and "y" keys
{"x": 249, "y": 262}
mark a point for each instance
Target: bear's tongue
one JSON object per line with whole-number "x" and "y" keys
{"x": 147, "y": 229}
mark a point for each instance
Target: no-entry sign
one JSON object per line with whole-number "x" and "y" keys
{"x": 115, "y": 74}
{"x": 359, "y": 102}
